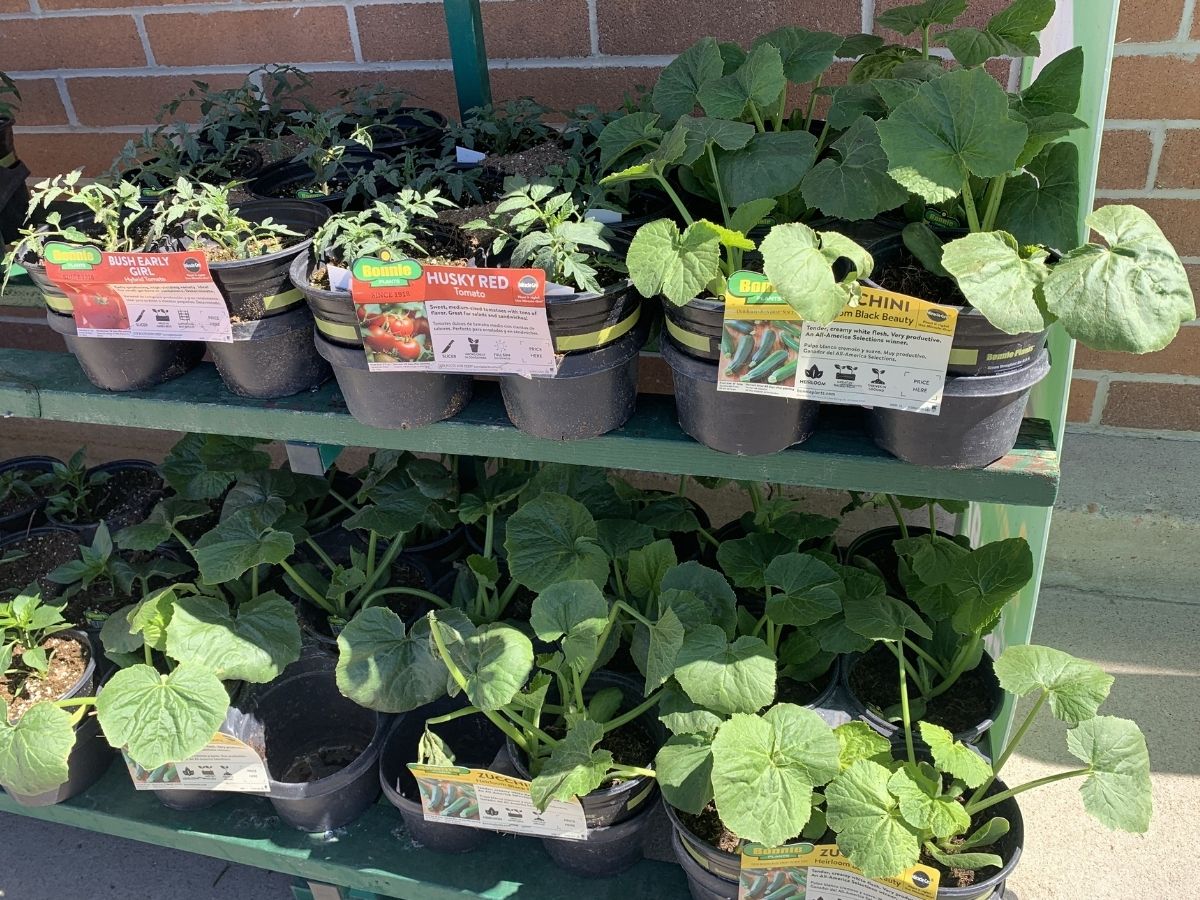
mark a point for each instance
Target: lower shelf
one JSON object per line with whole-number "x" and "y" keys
{"x": 375, "y": 854}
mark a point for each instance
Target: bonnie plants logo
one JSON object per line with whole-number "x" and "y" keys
{"x": 71, "y": 257}
{"x": 753, "y": 286}
{"x": 385, "y": 270}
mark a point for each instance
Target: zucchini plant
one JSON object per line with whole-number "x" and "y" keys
{"x": 10, "y": 98}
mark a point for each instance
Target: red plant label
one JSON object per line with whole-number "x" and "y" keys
{"x": 150, "y": 296}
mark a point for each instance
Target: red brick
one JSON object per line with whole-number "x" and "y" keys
{"x": 1124, "y": 159}
{"x": 512, "y": 29}
{"x": 109, "y": 4}
{"x": 1149, "y": 20}
{"x": 36, "y": 44}
{"x": 53, "y": 154}
{"x": 136, "y": 100}
{"x": 669, "y": 26}
{"x": 40, "y": 103}
{"x": 565, "y": 88}
{"x": 254, "y": 37}
{"x": 1179, "y": 166}
{"x": 1082, "y": 399}
{"x": 1146, "y": 404}
{"x": 1179, "y": 220}
{"x": 433, "y": 88}
{"x": 1182, "y": 357}
{"x": 1155, "y": 87}
{"x": 14, "y": 6}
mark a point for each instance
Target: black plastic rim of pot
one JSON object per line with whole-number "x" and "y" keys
{"x": 979, "y": 422}
{"x": 27, "y": 517}
{"x": 150, "y": 197}
{"x": 87, "y": 530}
{"x": 265, "y": 278}
{"x": 740, "y": 424}
{"x": 402, "y": 129}
{"x": 287, "y": 173}
{"x": 880, "y": 725}
{"x": 695, "y": 327}
{"x": 7, "y": 145}
{"x": 126, "y": 364}
{"x": 608, "y": 851}
{"x": 619, "y": 802}
{"x": 979, "y": 347}
{"x": 702, "y": 884}
{"x": 393, "y": 399}
{"x": 882, "y": 539}
{"x": 593, "y": 393}
{"x": 271, "y": 358}
{"x": 718, "y": 863}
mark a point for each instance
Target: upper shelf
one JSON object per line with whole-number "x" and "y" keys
{"x": 51, "y": 386}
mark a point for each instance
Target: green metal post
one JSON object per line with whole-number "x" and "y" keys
{"x": 464, "y": 25}
{"x": 1093, "y": 26}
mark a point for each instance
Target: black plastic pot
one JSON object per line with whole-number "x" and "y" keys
{"x": 14, "y": 195}
{"x": 290, "y": 178}
{"x": 123, "y": 516}
{"x": 440, "y": 553}
{"x": 195, "y": 800}
{"x": 973, "y": 735}
{"x": 743, "y": 424}
{"x": 394, "y": 399}
{"x": 91, "y": 755}
{"x": 8, "y": 543}
{"x": 594, "y": 392}
{"x": 297, "y": 717}
{"x": 333, "y": 311}
{"x": 259, "y": 288}
{"x": 126, "y": 364}
{"x": 588, "y": 321}
{"x": 395, "y": 133}
{"x": 979, "y": 421}
{"x": 703, "y": 884}
{"x": 29, "y": 516}
{"x": 695, "y": 328}
{"x": 271, "y": 358}
{"x": 608, "y": 851}
{"x": 475, "y": 742}
{"x": 703, "y": 855}
{"x": 249, "y": 164}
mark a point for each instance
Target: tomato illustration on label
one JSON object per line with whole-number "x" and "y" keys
{"x": 108, "y": 313}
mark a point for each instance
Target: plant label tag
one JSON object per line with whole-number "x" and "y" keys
{"x": 463, "y": 156}
{"x": 760, "y": 339}
{"x": 149, "y": 296}
{"x": 478, "y": 798}
{"x": 819, "y": 872}
{"x": 339, "y": 278}
{"x": 422, "y": 318}
{"x": 226, "y": 764}
{"x": 604, "y": 216}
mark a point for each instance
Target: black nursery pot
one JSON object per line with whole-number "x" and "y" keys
{"x": 126, "y": 364}
{"x": 322, "y": 750}
{"x": 407, "y": 127}
{"x": 333, "y": 311}
{"x": 271, "y": 358}
{"x": 588, "y": 321}
{"x": 394, "y": 399}
{"x": 290, "y": 179}
{"x": 475, "y": 742}
{"x": 91, "y": 755}
{"x": 593, "y": 392}
{"x": 259, "y": 288}
{"x": 14, "y": 194}
{"x": 979, "y": 421}
{"x": 125, "y": 512}
{"x": 742, "y": 424}
{"x": 695, "y": 328}
{"x": 30, "y": 515}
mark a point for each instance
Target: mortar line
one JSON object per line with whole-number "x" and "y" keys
{"x": 593, "y": 28}
{"x": 1158, "y": 140}
{"x": 1149, "y": 124}
{"x": 139, "y": 23}
{"x": 868, "y": 16}
{"x": 1158, "y": 48}
{"x": 36, "y": 12}
{"x": 352, "y": 23}
{"x": 64, "y": 97}
{"x": 1153, "y": 194}
{"x": 1139, "y": 377}
{"x": 1185, "y": 21}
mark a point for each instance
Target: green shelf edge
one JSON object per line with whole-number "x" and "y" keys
{"x": 47, "y": 385}
{"x": 374, "y": 854}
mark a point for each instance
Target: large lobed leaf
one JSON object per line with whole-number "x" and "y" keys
{"x": 34, "y": 750}
{"x": 726, "y": 677}
{"x": 806, "y": 590}
{"x": 679, "y": 266}
{"x": 384, "y": 667}
{"x": 1117, "y": 792}
{"x": 254, "y": 644}
{"x": 675, "y": 92}
{"x": 1001, "y": 279}
{"x": 1075, "y": 688}
{"x": 683, "y": 768}
{"x": 872, "y": 831}
{"x": 575, "y": 614}
{"x": 853, "y": 182}
{"x": 554, "y": 538}
{"x": 575, "y": 766}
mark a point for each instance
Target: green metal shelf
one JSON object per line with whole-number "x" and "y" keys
{"x": 49, "y": 385}
{"x": 375, "y": 854}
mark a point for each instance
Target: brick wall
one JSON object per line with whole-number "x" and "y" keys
{"x": 95, "y": 71}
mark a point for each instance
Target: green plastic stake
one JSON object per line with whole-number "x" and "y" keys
{"x": 464, "y": 25}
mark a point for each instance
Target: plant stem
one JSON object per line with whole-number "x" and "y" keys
{"x": 712, "y": 161}
{"x": 973, "y": 808}
{"x": 917, "y": 649}
{"x": 969, "y": 205}
{"x": 758, "y": 122}
{"x": 707, "y": 537}
{"x": 374, "y": 596}
{"x": 618, "y": 769}
{"x": 925, "y": 42}
{"x": 898, "y": 514}
{"x": 307, "y": 588}
{"x": 755, "y": 497}
{"x": 626, "y": 718}
{"x": 670, "y": 192}
{"x": 991, "y": 201}
{"x": 682, "y": 489}
{"x": 450, "y": 717}
{"x": 932, "y": 522}
{"x": 74, "y": 701}
{"x": 254, "y": 581}
{"x": 904, "y": 712}
{"x": 812, "y": 102}
{"x": 148, "y": 654}
{"x": 321, "y": 554}
{"x": 957, "y": 667}
{"x": 372, "y": 543}
{"x": 1009, "y": 748}
{"x": 489, "y": 534}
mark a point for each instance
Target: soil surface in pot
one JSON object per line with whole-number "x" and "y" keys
{"x": 194, "y": 529}
{"x": 709, "y": 828}
{"x": 529, "y": 164}
{"x": 126, "y": 498}
{"x": 406, "y": 607}
{"x": 100, "y": 598}
{"x": 802, "y": 693}
{"x": 876, "y": 682}
{"x": 907, "y": 276}
{"x": 40, "y": 553}
{"x": 16, "y": 503}
{"x": 68, "y": 662}
{"x": 630, "y": 745}
{"x": 322, "y": 762}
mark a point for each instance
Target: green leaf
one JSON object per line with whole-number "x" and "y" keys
{"x": 963, "y": 860}
{"x": 858, "y": 740}
{"x": 883, "y": 618}
{"x": 749, "y": 216}
{"x": 683, "y": 768}
{"x": 855, "y": 183}
{"x": 495, "y": 661}
{"x": 880, "y": 64}
{"x": 152, "y": 617}
{"x": 1057, "y": 87}
{"x": 1075, "y": 687}
{"x": 117, "y": 635}
{"x": 955, "y": 126}
{"x": 1010, "y": 32}
{"x": 382, "y": 667}
{"x": 955, "y": 757}
{"x": 986, "y": 579}
{"x": 148, "y": 535}
{"x": 1117, "y": 792}
{"x": 254, "y": 644}
{"x": 707, "y": 584}
{"x": 986, "y": 834}
{"x": 859, "y": 44}
{"x": 647, "y": 566}
{"x": 162, "y": 718}
{"x": 1000, "y": 280}
{"x": 661, "y": 260}
{"x": 575, "y": 767}
{"x": 871, "y": 830}
{"x": 758, "y": 81}
{"x": 807, "y": 590}
{"x": 666, "y": 640}
{"x": 799, "y": 267}
{"x": 575, "y": 613}
{"x": 1130, "y": 296}
{"x": 620, "y": 537}
{"x": 682, "y": 716}
{"x": 34, "y": 751}
{"x": 626, "y": 135}
{"x": 726, "y": 677}
{"x": 914, "y": 17}
{"x": 923, "y": 243}
{"x": 394, "y": 510}
{"x": 679, "y": 83}
{"x": 770, "y": 165}
{"x": 238, "y": 544}
{"x": 850, "y": 101}
{"x": 746, "y": 560}
{"x": 553, "y": 538}
{"x": 805, "y": 54}
{"x": 764, "y": 770}
{"x": 923, "y": 806}
{"x": 721, "y": 133}
{"x": 1040, "y": 205}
